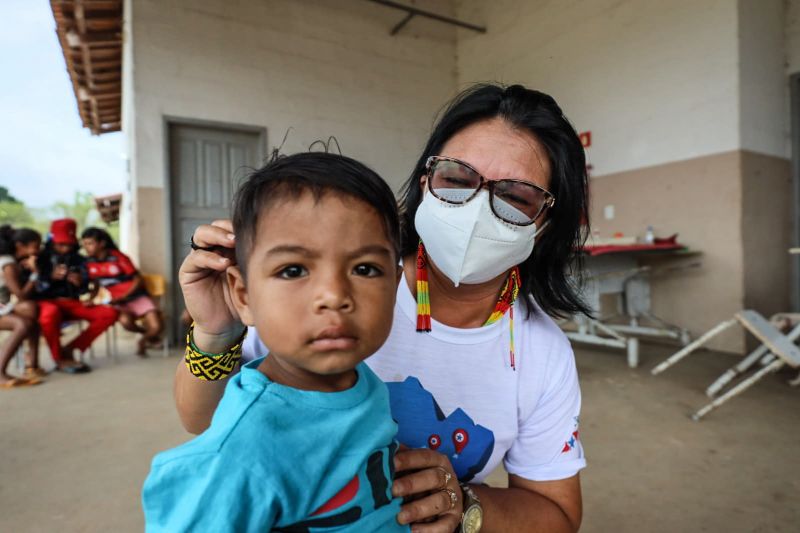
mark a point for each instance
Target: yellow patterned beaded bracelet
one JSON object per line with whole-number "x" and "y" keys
{"x": 211, "y": 366}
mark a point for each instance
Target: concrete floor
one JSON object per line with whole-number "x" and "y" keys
{"x": 76, "y": 450}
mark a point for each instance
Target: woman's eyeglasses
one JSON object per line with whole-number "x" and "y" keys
{"x": 517, "y": 202}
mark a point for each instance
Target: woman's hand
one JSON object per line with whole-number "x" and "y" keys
{"x": 427, "y": 481}
{"x": 205, "y": 289}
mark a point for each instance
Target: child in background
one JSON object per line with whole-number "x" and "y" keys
{"x": 317, "y": 249}
{"x": 62, "y": 279}
{"x": 18, "y": 249}
{"x": 109, "y": 268}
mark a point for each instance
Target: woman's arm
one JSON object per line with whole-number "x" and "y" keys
{"x": 531, "y": 506}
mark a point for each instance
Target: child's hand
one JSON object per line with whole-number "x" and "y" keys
{"x": 74, "y": 278}
{"x": 59, "y": 272}
{"x": 29, "y": 263}
{"x": 205, "y": 288}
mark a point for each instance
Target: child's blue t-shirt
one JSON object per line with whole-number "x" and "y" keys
{"x": 279, "y": 458}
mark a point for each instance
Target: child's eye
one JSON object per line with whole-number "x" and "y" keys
{"x": 370, "y": 271}
{"x": 292, "y": 272}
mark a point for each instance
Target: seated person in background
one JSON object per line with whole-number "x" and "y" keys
{"x": 62, "y": 280}
{"x": 18, "y": 246}
{"x": 113, "y": 270}
{"x": 317, "y": 249}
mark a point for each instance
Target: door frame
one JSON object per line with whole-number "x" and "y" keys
{"x": 167, "y": 123}
{"x": 794, "y": 94}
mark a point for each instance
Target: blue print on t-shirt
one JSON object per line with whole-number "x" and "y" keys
{"x": 423, "y": 425}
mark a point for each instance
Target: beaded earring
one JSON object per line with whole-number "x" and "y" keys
{"x": 505, "y": 303}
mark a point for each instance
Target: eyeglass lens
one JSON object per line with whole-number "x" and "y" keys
{"x": 513, "y": 201}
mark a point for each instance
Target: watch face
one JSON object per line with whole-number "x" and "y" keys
{"x": 473, "y": 519}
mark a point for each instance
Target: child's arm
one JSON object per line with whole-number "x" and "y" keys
{"x": 126, "y": 265}
{"x": 207, "y": 492}
{"x": 135, "y": 286}
{"x": 11, "y": 274}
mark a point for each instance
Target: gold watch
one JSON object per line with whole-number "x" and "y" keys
{"x": 472, "y": 518}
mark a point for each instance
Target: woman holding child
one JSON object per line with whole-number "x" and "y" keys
{"x": 477, "y": 371}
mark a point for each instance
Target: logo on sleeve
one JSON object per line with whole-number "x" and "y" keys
{"x": 570, "y": 443}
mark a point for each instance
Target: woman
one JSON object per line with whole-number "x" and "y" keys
{"x": 62, "y": 280}
{"x": 113, "y": 270}
{"x": 18, "y": 250}
{"x": 476, "y": 375}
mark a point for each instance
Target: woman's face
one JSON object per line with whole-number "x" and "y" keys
{"x": 499, "y": 151}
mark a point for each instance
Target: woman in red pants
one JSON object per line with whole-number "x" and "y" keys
{"x": 62, "y": 279}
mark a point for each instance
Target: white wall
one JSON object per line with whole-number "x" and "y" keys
{"x": 654, "y": 81}
{"x": 792, "y": 36}
{"x": 323, "y": 68}
{"x": 128, "y": 239}
{"x": 764, "y": 86}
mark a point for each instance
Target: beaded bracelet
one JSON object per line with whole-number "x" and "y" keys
{"x": 211, "y": 366}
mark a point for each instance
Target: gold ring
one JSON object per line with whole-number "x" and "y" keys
{"x": 447, "y": 476}
{"x": 453, "y": 497}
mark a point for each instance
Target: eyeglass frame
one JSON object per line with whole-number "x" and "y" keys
{"x": 550, "y": 199}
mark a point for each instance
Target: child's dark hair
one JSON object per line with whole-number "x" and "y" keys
{"x": 9, "y": 237}
{"x": 100, "y": 235}
{"x": 320, "y": 173}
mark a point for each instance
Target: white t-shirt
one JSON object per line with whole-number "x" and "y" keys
{"x": 5, "y": 294}
{"x": 453, "y": 390}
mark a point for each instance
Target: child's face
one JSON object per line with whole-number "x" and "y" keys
{"x": 24, "y": 250}
{"x": 91, "y": 246}
{"x": 62, "y": 248}
{"x": 320, "y": 290}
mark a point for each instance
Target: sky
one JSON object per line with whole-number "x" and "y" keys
{"x": 45, "y": 153}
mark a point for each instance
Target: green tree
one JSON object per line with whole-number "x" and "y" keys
{"x": 5, "y": 196}
{"x": 14, "y": 213}
{"x": 82, "y": 209}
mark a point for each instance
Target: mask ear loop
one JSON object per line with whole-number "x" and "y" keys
{"x": 539, "y": 230}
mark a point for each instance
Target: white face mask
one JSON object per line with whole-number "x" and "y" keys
{"x": 467, "y": 242}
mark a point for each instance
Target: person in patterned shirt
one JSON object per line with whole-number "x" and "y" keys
{"x": 111, "y": 269}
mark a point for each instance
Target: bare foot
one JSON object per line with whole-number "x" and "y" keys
{"x": 141, "y": 347}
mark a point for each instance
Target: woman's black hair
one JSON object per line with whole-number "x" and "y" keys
{"x": 9, "y": 237}
{"x": 549, "y": 275}
{"x": 100, "y": 235}
{"x": 318, "y": 172}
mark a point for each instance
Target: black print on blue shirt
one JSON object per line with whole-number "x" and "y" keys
{"x": 422, "y": 424}
{"x": 352, "y": 496}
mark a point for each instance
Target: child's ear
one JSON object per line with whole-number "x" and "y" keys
{"x": 398, "y": 273}
{"x": 238, "y": 290}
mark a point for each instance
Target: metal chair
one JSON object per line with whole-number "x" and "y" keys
{"x": 777, "y": 349}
